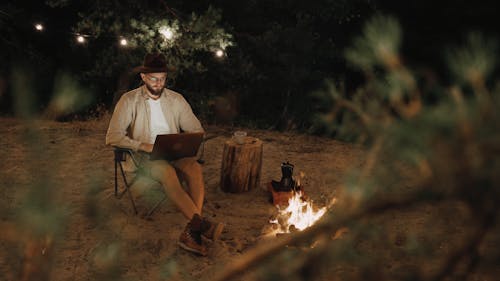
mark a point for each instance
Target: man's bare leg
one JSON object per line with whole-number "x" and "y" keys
{"x": 166, "y": 174}
{"x": 191, "y": 171}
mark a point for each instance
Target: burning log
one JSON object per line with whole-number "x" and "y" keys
{"x": 295, "y": 210}
{"x": 241, "y": 165}
{"x": 297, "y": 215}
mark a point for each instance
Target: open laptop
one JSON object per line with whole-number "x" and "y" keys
{"x": 175, "y": 146}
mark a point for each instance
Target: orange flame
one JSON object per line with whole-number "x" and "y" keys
{"x": 298, "y": 215}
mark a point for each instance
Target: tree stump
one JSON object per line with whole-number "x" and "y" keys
{"x": 241, "y": 165}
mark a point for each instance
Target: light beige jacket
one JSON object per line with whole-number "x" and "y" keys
{"x": 130, "y": 123}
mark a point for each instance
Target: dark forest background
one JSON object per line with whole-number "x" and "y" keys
{"x": 282, "y": 52}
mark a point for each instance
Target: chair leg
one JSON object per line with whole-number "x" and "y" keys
{"x": 153, "y": 209}
{"x": 127, "y": 189}
{"x": 116, "y": 179}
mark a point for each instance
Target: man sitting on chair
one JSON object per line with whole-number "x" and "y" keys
{"x": 150, "y": 110}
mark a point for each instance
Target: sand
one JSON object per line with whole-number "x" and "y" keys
{"x": 69, "y": 166}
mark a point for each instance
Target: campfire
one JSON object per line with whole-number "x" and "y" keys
{"x": 298, "y": 215}
{"x": 295, "y": 211}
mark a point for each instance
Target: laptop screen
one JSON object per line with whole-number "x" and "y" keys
{"x": 175, "y": 146}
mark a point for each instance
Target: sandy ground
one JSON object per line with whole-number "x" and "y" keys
{"x": 100, "y": 237}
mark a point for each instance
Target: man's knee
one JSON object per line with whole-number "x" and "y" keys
{"x": 161, "y": 168}
{"x": 188, "y": 164}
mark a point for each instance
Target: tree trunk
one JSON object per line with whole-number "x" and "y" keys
{"x": 241, "y": 165}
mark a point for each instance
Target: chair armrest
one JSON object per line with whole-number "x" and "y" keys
{"x": 120, "y": 153}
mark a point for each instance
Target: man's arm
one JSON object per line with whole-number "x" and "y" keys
{"x": 118, "y": 125}
{"x": 146, "y": 147}
{"x": 188, "y": 122}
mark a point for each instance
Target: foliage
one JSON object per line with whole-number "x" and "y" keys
{"x": 187, "y": 37}
{"x": 190, "y": 37}
{"x": 390, "y": 91}
{"x": 184, "y": 35}
{"x": 442, "y": 157}
{"x": 290, "y": 48}
{"x": 470, "y": 65}
{"x": 275, "y": 51}
{"x": 380, "y": 41}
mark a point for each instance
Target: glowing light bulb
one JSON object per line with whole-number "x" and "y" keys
{"x": 39, "y": 26}
{"x": 123, "y": 42}
{"x": 80, "y": 39}
{"x": 219, "y": 53}
{"x": 166, "y": 32}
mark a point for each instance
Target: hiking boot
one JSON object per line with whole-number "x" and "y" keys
{"x": 190, "y": 238}
{"x": 211, "y": 230}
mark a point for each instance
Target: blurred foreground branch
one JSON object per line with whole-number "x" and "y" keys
{"x": 417, "y": 155}
{"x": 329, "y": 225}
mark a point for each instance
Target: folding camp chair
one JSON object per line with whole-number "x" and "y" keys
{"x": 121, "y": 155}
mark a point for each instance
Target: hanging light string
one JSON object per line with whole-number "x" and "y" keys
{"x": 166, "y": 32}
{"x": 80, "y": 38}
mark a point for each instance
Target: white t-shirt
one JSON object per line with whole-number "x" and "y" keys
{"x": 158, "y": 123}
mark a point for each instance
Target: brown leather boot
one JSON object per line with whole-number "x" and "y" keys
{"x": 190, "y": 238}
{"x": 211, "y": 230}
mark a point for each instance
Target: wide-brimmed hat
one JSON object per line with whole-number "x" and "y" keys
{"x": 153, "y": 63}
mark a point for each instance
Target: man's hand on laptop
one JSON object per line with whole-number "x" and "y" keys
{"x": 146, "y": 147}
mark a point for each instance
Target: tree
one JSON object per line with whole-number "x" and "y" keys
{"x": 183, "y": 33}
{"x": 420, "y": 157}
{"x": 286, "y": 49}
{"x": 115, "y": 36}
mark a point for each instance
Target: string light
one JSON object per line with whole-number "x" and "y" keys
{"x": 166, "y": 32}
{"x": 219, "y": 53}
{"x": 80, "y": 39}
{"x": 38, "y": 26}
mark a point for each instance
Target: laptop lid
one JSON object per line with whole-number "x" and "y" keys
{"x": 175, "y": 146}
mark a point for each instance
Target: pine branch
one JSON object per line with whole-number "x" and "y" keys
{"x": 256, "y": 256}
{"x": 468, "y": 249}
{"x": 37, "y": 252}
{"x": 365, "y": 118}
{"x": 9, "y": 232}
{"x": 372, "y": 157}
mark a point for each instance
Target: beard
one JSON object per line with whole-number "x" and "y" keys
{"x": 154, "y": 92}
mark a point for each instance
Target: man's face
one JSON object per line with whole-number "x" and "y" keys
{"x": 154, "y": 82}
